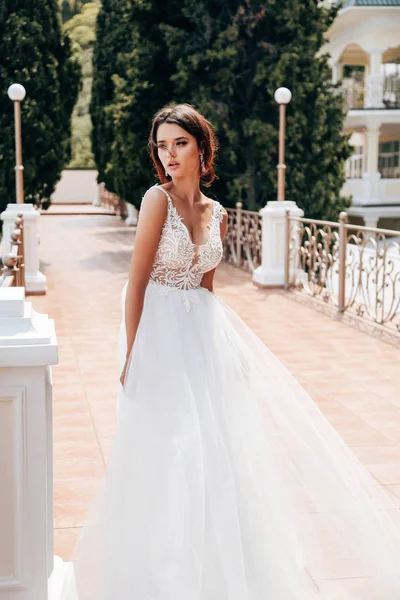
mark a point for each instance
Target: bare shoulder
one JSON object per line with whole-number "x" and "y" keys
{"x": 153, "y": 194}
{"x": 153, "y": 211}
{"x": 154, "y": 201}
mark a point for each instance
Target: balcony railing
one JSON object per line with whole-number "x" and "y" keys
{"x": 242, "y": 243}
{"x": 13, "y": 269}
{"x": 112, "y": 201}
{"x": 353, "y": 91}
{"x": 391, "y": 86}
{"x": 355, "y": 166}
{"x": 388, "y": 161}
{"x": 387, "y": 88}
{"x": 353, "y": 268}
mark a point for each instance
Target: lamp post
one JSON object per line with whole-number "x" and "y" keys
{"x": 282, "y": 97}
{"x": 16, "y": 93}
{"x": 273, "y": 268}
{"x": 35, "y": 281}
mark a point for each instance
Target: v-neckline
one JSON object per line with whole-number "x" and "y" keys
{"x": 209, "y": 226}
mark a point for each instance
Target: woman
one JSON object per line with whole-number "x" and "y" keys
{"x": 225, "y": 481}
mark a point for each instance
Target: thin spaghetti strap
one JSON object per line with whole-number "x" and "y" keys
{"x": 218, "y": 211}
{"x": 157, "y": 185}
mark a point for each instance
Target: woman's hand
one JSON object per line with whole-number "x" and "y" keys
{"x": 122, "y": 378}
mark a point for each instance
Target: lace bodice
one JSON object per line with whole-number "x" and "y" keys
{"x": 180, "y": 263}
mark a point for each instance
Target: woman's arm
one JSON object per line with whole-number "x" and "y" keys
{"x": 208, "y": 278}
{"x": 153, "y": 212}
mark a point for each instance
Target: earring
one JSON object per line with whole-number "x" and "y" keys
{"x": 203, "y": 167}
{"x": 166, "y": 173}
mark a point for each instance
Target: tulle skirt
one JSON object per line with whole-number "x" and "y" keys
{"x": 225, "y": 481}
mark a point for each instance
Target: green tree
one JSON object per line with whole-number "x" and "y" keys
{"x": 109, "y": 30}
{"x": 141, "y": 86}
{"x": 81, "y": 29}
{"x": 230, "y": 58}
{"x": 34, "y": 52}
{"x": 227, "y": 59}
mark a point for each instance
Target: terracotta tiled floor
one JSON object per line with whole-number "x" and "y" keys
{"x": 353, "y": 378}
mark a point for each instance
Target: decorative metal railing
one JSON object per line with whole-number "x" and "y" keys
{"x": 354, "y": 166}
{"x": 13, "y": 269}
{"x": 112, "y": 201}
{"x": 355, "y": 89}
{"x": 242, "y": 243}
{"x": 391, "y": 85}
{"x": 352, "y": 267}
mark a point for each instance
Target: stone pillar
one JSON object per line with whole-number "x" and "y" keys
{"x": 271, "y": 272}
{"x": 372, "y": 176}
{"x": 373, "y": 95}
{"x": 371, "y": 219}
{"x": 35, "y": 281}
{"x": 337, "y": 73}
{"x": 96, "y": 196}
{"x": 132, "y": 217}
{"x": 28, "y": 347}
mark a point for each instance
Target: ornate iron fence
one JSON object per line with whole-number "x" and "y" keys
{"x": 112, "y": 201}
{"x": 354, "y": 268}
{"x": 243, "y": 239}
{"x": 13, "y": 269}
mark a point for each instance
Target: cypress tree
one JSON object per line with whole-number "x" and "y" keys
{"x": 81, "y": 30}
{"x": 227, "y": 59}
{"x": 230, "y": 58}
{"x": 111, "y": 39}
{"x": 131, "y": 82}
{"x": 140, "y": 89}
{"x": 34, "y": 52}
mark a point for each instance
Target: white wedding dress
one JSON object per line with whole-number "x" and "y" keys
{"x": 225, "y": 481}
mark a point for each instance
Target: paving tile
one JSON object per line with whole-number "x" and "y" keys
{"x": 70, "y": 515}
{"x": 75, "y": 450}
{"x": 80, "y": 489}
{"x": 65, "y": 540}
{"x": 84, "y": 468}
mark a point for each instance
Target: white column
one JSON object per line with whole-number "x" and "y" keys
{"x": 337, "y": 72}
{"x": 27, "y": 347}
{"x": 35, "y": 281}
{"x": 132, "y": 217}
{"x": 96, "y": 196}
{"x": 271, "y": 272}
{"x": 371, "y": 176}
{"x": 370, "y": 219}
{"x": 373, "y": 95}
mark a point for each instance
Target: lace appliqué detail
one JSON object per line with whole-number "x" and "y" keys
{"x": 181, "y": 264}
{"x": 188, "y": 297}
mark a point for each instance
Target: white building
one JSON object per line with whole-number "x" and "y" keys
{"x": 364, "y": 44}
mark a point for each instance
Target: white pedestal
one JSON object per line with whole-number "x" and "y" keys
{"x": 271, "y": 272}
{"x": 27, "y": 347}
{"x": 96, "y": 197}
{"x": 132, "y": 217}
{"x": 35, "y": 281}
{"x": 372, "y": 188}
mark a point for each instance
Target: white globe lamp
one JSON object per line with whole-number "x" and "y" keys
{"x": 16, "y": 92}
{"x": 283, "y": 95}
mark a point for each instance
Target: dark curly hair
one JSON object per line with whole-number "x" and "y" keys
{"x": 187, "y": 117}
